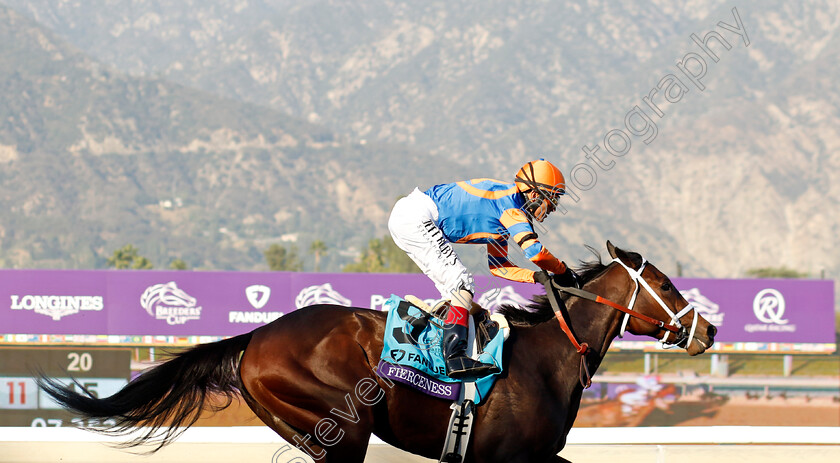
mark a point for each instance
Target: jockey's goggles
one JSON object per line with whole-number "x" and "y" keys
{"x": 553, "y": 196}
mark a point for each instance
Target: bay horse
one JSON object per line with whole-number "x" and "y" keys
{"x": 310, "y": 376}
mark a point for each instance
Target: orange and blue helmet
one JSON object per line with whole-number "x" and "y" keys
{"x": 542, "y": 184}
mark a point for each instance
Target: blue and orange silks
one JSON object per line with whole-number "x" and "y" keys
{"x": 487, "y": 211}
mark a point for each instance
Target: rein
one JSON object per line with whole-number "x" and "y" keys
{"x": 595, "y": 298}
{"x": 582, "y": 348}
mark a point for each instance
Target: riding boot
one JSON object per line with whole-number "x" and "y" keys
{"x": 458, "y": 364}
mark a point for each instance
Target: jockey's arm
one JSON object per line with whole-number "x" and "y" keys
{"x": 523, "y": 234}
{"x": 501, "y": 266}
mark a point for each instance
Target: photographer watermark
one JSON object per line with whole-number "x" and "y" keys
{"x": 328, "y": 432}
{"x": 639, "y": 121}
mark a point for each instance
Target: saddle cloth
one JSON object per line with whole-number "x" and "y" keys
{"x": 412, "y": 353}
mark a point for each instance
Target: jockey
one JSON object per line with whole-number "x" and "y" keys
{"x": 478, "y": 211}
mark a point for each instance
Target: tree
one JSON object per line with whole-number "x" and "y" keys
{"x": 370, "y": 260}
{"x": 178, "y": 264}
{"x": 128, "y": 257}
{"x": 397, "y": 261}
{"x": 319, "y": 248}
{"x": 123, "y": 257}
{"x": 775, "y": 272}
{"x": 281, "y": 259}
{"x": 383, "y": 256}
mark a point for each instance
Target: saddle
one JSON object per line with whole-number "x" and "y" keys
{"x": 486, "y": 325}
{"x": 408, "y": 337}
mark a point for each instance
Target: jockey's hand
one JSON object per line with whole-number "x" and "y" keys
{"x": 568, "y": 278}
{"x": 542, "y": 277}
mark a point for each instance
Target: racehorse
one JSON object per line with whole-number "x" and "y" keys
{"x": 310, "y": 376}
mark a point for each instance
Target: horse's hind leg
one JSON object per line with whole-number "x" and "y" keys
{"x": 304, "y": 387}
{"x": 279, "y": 426}
{"x": 346, "y": 452}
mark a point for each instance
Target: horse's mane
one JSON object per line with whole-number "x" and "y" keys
{"x": 540, "y": 310}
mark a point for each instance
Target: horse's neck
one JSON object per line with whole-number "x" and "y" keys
{"x": 592, "y": 323}
{"x": 599, "y": 323}
{"x": 596, "y": 325}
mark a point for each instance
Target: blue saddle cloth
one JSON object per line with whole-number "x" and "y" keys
{"x": 412, "y": 353}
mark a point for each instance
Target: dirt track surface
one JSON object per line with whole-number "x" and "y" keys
{"x": 760, "y": 412}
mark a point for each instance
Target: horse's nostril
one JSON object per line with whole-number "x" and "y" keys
{"x": 711, "y": 331}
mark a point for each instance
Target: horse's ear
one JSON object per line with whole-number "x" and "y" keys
{"x": 630, "y": 259}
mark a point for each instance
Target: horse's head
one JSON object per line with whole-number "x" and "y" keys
{"x": 655, "y": 296}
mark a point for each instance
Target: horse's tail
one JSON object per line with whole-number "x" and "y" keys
{"x": 165, "y": 400}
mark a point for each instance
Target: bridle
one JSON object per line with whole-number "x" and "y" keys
{"x": 682, "y": 335}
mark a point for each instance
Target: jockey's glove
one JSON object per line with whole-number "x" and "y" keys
{"x": 567, "y": 279}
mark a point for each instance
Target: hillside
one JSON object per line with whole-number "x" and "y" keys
{"x": 92, "y": 160}
{"x": 739, "y": 175}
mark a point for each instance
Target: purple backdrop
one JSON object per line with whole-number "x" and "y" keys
{"x": 122, "y": 302}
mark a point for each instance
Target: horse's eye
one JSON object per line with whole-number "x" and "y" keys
{"x": 666, "y": 286}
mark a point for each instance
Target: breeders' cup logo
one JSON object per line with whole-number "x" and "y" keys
{"x": 56, "y": 306}
{"x": 495, "y": 298}
{"x": 705, "y": 307}
{"x": 170, "y": 303}
{"x": 320, "y": 294}
{"x": 769, "y": 308}
{"x": 258, "y": 295}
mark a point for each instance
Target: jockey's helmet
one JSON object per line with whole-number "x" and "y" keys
{"x": 542, "y": 184}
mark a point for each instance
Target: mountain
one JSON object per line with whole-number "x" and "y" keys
{"x": 93, "y": 159}
{"x": 741, "y": 173}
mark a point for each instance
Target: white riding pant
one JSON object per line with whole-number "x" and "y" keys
{"x": 413, "y": 228}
